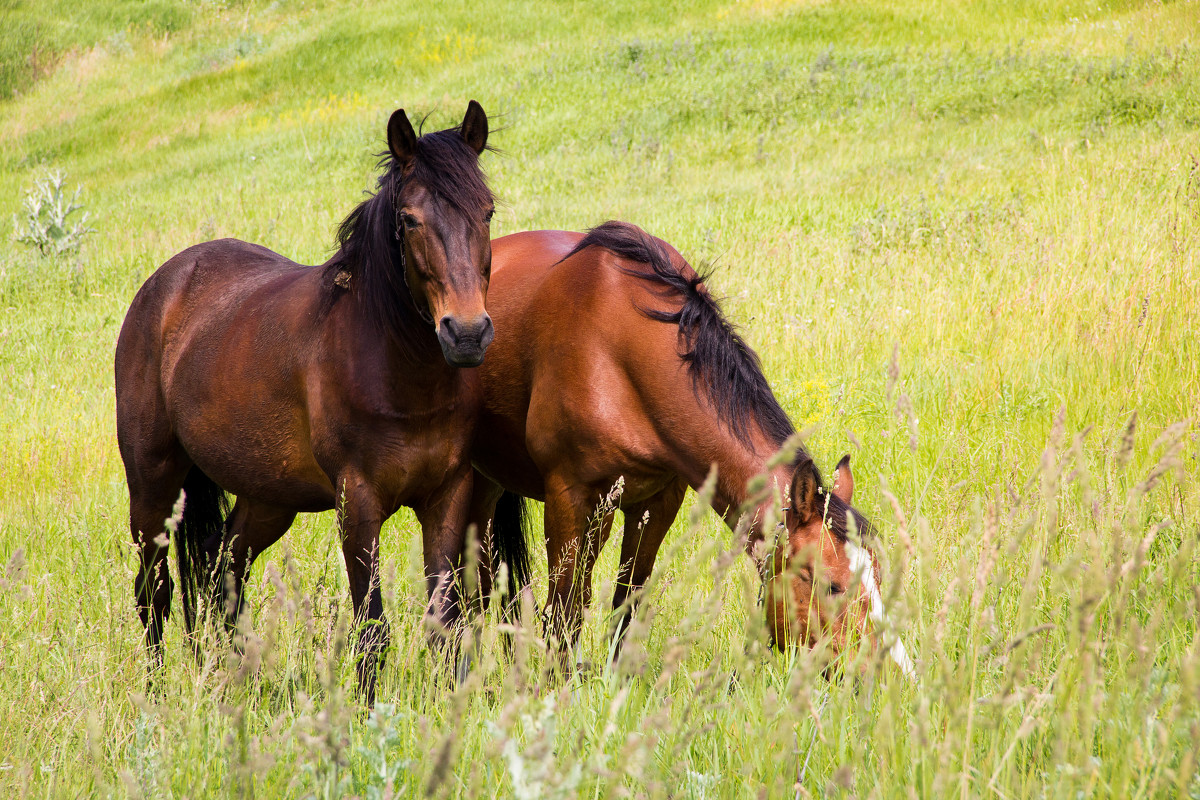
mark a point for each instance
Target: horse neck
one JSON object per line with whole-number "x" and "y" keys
{"x": 709, "y": 441}
{"x": 411, "y": 356}
{"x": 734, "y": 471}
{"x": 419, "y": 365}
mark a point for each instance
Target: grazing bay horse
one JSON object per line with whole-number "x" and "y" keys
{"x": 614, "y": 363}
{"x": 301, "y": 388}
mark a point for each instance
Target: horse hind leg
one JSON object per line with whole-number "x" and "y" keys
{"x": 153, "y": 498}
{"x": 156, "y": 466}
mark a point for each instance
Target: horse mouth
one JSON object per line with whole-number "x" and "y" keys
{"x": 463, "y": 356}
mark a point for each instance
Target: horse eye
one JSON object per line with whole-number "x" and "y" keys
{"x": 836, "y": 589}
{"x": 488, "y": 217}
{"x": 410, "y": 221}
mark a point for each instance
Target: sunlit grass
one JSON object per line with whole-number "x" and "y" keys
{"x": 961, "y": 238}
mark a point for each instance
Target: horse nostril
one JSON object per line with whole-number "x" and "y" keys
{"x": 450, "y": 328}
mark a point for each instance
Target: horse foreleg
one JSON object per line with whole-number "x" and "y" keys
{"x": 360, "y": 517}
{"x": 444, "y": 543}
{"x": 646, "y": 524}
{"x": 576, "y": 530}
{"x": 252, "y": 528}
{"x": 481, "y": 512}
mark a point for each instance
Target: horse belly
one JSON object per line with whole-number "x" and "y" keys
{"x": 261, "y": 450}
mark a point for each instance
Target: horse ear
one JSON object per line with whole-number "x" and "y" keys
{"x": 402, "y": 139}
{"x": 805, "y": 484}
{"x": 474, "y": 128}
{"x": 843, "y": 480}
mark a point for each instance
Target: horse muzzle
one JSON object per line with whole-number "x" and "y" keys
{"x": 464, "y": 342}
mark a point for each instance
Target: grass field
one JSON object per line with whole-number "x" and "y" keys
{"x": 963, "y": 240}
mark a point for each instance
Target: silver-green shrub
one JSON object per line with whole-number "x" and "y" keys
{"x": 50, "y": 223}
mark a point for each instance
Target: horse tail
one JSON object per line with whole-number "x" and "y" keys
{"x": 205, "y": 507}
{"x": 510, "y": 532}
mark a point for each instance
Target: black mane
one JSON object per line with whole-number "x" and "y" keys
{"x": 370, "y": 251}
{"x": 720, "y": 362}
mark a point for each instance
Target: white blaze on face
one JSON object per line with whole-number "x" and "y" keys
{"x": 862, "y": 565}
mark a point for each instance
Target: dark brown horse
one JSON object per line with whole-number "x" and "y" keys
{"x": 613, "y": 362}
{"x": 302, "y": 388}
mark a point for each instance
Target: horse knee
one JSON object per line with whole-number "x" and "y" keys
{"x": 375, "y": 636}
{"x": 444, "y": 608}
{"x": 484, "y": 589}
{"x": 384, "y": 638}
{"x": 229, "y": 595}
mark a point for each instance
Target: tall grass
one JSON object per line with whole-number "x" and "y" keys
{"x": 962, "y": 239}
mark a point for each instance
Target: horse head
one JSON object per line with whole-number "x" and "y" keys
{"x": 443, "y": 211}
{"x": 823, "y": 581}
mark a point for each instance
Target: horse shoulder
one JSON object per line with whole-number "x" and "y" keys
{"x": 588, "y": 402}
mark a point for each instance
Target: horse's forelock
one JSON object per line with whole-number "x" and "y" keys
{"x": 447, "y": 166}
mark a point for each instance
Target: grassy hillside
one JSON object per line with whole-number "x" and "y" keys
{"x": 962, "y": 239}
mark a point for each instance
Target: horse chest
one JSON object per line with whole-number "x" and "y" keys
{"x": 400, "y": 453}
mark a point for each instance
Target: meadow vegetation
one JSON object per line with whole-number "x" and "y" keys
{"x": 963, "y": 240}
